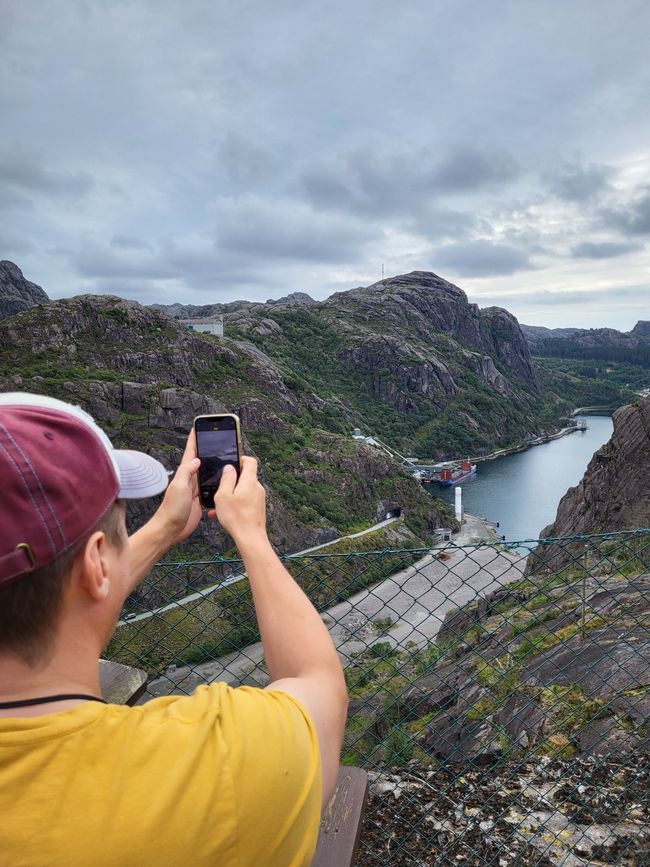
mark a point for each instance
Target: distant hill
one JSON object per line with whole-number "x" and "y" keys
{"x": 16, "y": 293}
{"x": 191, "y": 311}
{"x": 534, "y": 334}
{"x": 538, "y": 337}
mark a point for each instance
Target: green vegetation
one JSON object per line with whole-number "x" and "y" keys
{"x": 392, "y": 712}
{"x": 383, "y": 624}
{"x": 568, "y": 348}
{"x": 583, "y": 384}
{"x": 225, "y": 621}
{"x": 316, "y": 354}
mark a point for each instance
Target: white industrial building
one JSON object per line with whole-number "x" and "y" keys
{"x": 205, "y": 325}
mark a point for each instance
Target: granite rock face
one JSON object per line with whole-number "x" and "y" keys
{"x": 17, "y": 293}
{"x": 428, "y": 305}
{"x": 642, "y": 330}
{"x": 614, "y": 493}
{"x": 408, "y": 359}
{"x": 523, "y": 677}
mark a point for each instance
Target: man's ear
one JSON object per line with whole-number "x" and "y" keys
{"x": 95, "y": 568}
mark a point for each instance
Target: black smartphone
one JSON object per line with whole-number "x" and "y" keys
{"x": 218, "y": 442}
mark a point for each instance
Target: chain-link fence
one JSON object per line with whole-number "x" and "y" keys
{"x": 500, "y": 694}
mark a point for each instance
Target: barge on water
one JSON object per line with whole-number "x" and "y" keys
{"x": 448, "y": 473}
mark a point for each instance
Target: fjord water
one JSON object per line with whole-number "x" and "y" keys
{"x": 522, "y": 491}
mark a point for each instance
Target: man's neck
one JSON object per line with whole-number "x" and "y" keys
{"x": 65, "y": 672}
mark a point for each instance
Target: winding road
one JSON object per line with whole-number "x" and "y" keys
{"x": 416, "y": 600}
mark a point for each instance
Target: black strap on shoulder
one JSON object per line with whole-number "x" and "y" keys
{"x": 44, "y": 699}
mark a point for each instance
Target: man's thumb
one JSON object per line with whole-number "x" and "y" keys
{"x": 189, "y": 468}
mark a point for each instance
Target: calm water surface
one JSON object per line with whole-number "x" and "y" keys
{"x": 522, "y": 491}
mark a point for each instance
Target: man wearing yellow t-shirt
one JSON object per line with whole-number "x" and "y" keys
{"x": 223, "y": 777}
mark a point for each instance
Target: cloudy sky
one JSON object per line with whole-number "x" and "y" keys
{"x": 207, "y": 151}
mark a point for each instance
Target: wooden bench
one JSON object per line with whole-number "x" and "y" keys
{"x": 340, "y": 826}
{"x": 121, "y": 684}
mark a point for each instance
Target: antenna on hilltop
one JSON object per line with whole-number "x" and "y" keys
{"x": 382, "y": 270}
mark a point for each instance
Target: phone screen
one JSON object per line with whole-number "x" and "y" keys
{"x": 216, "y": 445}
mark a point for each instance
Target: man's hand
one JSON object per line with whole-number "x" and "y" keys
{"x": 177, "y": 516}
{"x": 180, "y": 509}
{"x": 240, "y": 503}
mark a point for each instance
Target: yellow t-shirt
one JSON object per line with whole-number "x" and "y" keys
{"x": 223, "y": 777}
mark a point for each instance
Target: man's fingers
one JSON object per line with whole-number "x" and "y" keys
{"x": 190, "y": 448}
{"x": 188, "y": 469}
{"x": 248, "y": 470}
{"x": 228, "y": 480}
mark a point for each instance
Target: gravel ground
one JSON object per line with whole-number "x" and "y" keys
{"x": 569, "y": 813}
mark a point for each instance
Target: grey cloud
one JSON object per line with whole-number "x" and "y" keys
{"x": 403, "y": 183}
{"x": 245, "y": 162}
{"x": 13, "y": 200}
{"x": 467, "y": 169}
{"x": 21, "y": 170}
{"x": 622, "y": 294}
{"x": 288, "y": 229}
{"x": 603, "y": 249}
{"x": 481, "y": 258}
{"x": 203, "y": 265}
{"x": 577, "y": 182}
{"x": 97, "y": 261}
{"x": 13, "y": 245}
{"x": 632, "y": 220}
{"x": 354, "y": 112}
{"x": 127, "y": 242}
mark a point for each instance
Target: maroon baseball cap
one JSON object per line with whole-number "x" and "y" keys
{"x": 60, "y": 475}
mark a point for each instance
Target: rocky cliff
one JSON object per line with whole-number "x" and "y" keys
{"x": 642, "y": 330}
{"x": 410, "y": 360}
{"x": 144, "y": 377}
{"x": 17, "y": 293}
{"x": 614, "y": 493}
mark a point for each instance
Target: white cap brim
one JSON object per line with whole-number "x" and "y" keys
{"x": 140, "y": 475}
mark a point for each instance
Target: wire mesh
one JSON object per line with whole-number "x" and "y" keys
{"x": 499, "y": 694}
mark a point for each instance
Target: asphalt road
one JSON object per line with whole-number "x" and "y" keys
{"x": 204, "y": 592}
{"x": 416, "y": 599}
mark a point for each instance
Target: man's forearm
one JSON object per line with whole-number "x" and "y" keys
{"x": 296, "y": 642}
{"x": 148, "y": 545}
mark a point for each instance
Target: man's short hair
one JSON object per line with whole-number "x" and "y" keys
{"x": 30, "y": 610}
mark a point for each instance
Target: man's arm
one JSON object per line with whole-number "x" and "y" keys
{"x": 299, "y": 652}
{"x": 176, "y": 518}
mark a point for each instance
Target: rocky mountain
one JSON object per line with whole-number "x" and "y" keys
{"x": 641, "y": 330}
{"x": 198, "y": 311}
{"x": 144, "y": 377}
{"x": 293, "y": 299}
{"x": 17, "y": 293}
{"x": 190, "y": 311}
{"x": 589, "y": 338}
{"x": 408, "y": 359}
{"x": 536, "y": 333}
